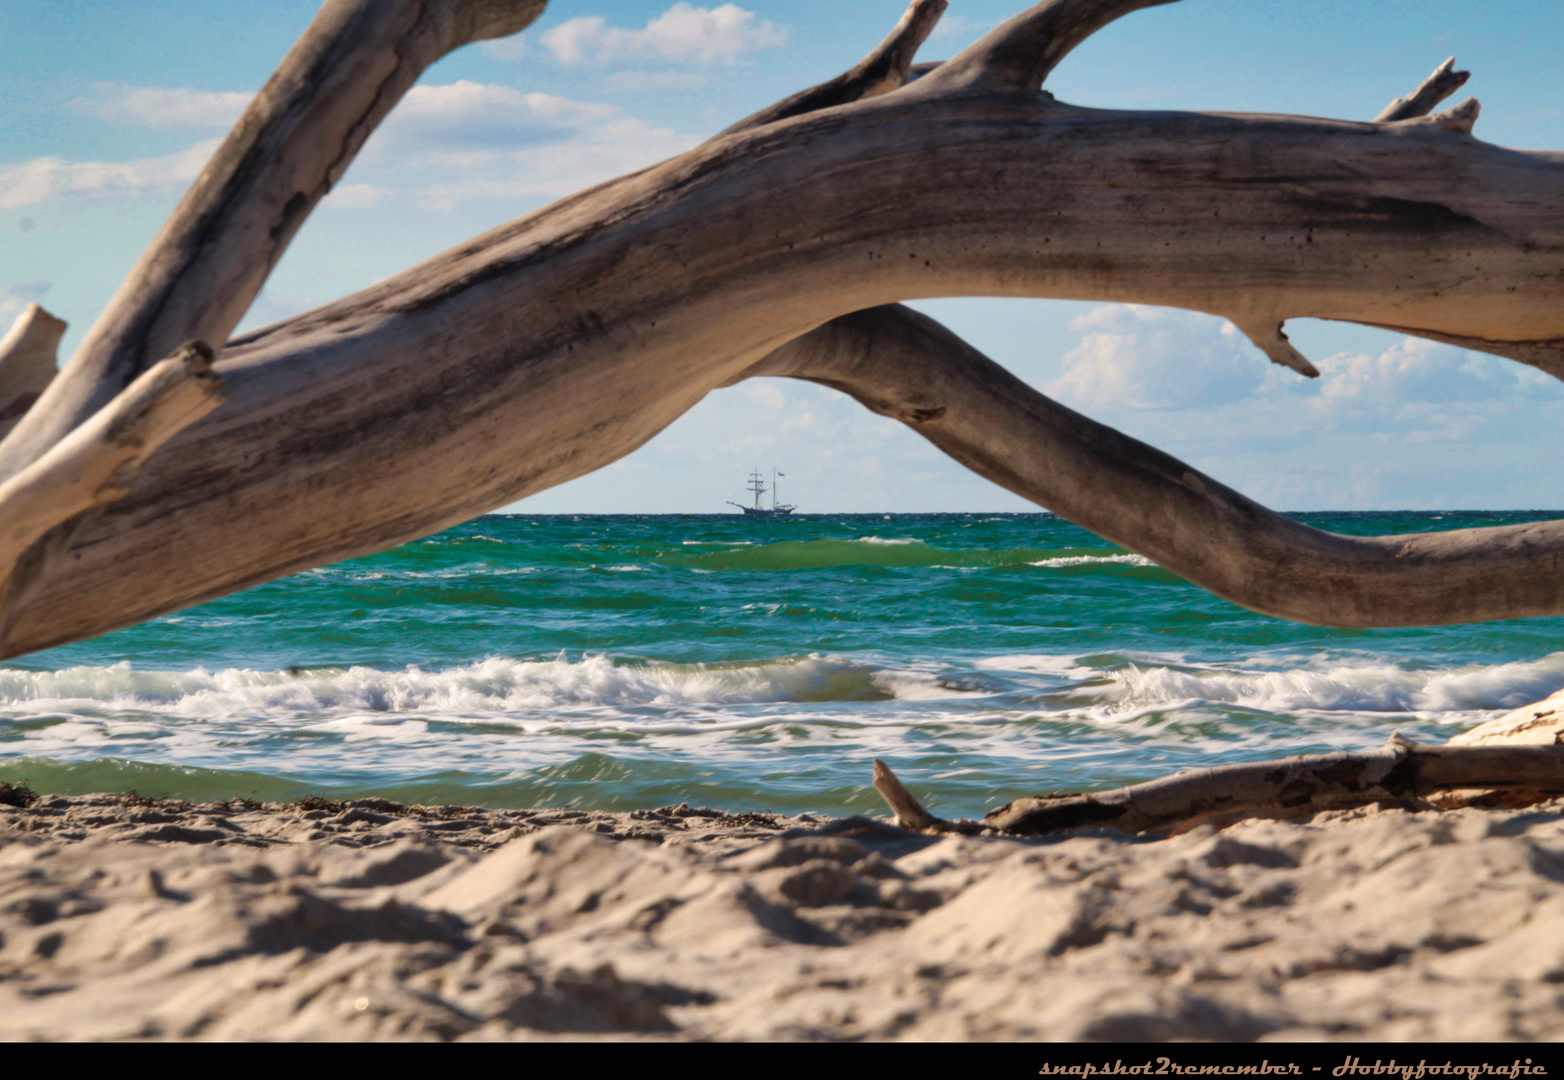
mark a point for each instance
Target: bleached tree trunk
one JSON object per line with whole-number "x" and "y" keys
{"x": 562, "y": 341}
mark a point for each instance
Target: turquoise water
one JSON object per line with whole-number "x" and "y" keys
{"x": 620, "y": 662}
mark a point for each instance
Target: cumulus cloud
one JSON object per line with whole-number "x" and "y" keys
{"x": 1149, "y": 359}
{"x": 1416, "y": 423}
{"x": 50, "y": 178}
{"x": 165, "y": 107}
{"x": 682, "y": 33}
{"x": 14, "y": 296}
{"x": 443, "y": 145}
{"x": 1137, "y": 357}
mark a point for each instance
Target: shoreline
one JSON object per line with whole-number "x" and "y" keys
{"x": 145, "y": 919}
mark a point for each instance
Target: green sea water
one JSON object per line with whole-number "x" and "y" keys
{"x": 614, "y": 662}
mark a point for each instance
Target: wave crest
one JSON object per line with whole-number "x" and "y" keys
{"x": 497, "y": 685}
{"x": 1341, "y": 687}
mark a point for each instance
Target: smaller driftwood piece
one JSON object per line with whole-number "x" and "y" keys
{"x": 1402, "y": 772}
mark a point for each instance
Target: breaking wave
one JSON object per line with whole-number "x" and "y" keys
{"x": 494, "y": 686}
{"x": 1361, "y": 687}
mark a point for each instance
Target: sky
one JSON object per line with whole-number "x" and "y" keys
{"x": 109, "y": 108}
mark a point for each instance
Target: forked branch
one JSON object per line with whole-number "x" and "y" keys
{"x": 95, "y": 463}
{"x": 1420, "y": 102}
{"x": 883, "y": 70}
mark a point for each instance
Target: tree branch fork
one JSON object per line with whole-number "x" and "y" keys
{"x": 554, "y": 345}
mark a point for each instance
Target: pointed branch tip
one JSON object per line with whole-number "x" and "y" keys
{"x": 1269, "y": 339}
{"x": 1460, "y": 119}
{"x": 910, "y": 814}
{"x": 885, "y": 69}
{"x": 1420, "y": 102}
{"x": 27, "y": 362}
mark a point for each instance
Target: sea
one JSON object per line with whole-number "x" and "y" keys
{"x": 621, "y": 662}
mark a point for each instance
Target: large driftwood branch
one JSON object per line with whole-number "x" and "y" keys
{"x": 560, "y": 342}
{"x": 297, "y": 137}
{"x": 904, "y": 365}
{"x": 208, "y": 263}
{"x": 1402, "y": 772}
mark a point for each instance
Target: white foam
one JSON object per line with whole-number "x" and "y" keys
{"x": 1038, "y": 663}
{"x": 494, "y": 686}
{"x": 1362, "y": 686}
{"x": 911, "y": 685}
{"x": 1087, "y": 560}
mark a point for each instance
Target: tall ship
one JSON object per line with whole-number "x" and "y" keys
{"x": 757, "y": 487}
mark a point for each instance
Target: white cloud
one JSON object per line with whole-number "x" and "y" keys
{"x": 1150, "y": 358}
{"x": 163, "y": 107}
{"x": 1415, "y": 424}
{"x": 15, "y": 296}
{"x": 51, "y": 178}
{"x": 443, "y": 145}
{"x": 1143, "y": 358}
{"x": 682, "y": 33}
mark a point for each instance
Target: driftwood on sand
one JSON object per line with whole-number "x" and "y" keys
{"x": 1403, "y": 773}
{"x": 558, "y": 343}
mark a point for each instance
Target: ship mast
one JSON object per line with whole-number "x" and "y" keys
{"x": 757, "y": 488}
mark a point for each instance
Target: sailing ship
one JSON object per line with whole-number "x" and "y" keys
{"x": 757, "y": 487}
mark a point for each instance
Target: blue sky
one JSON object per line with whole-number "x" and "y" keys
{"x": 108, "y": 108}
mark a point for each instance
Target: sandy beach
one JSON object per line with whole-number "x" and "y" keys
{"x": 130, "y": 918}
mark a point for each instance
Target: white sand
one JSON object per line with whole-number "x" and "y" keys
{"x": 204, "y": 922}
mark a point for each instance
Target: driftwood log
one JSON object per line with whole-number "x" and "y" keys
{"x": 560, "y": 342}
{"x": 1403, "y": 773}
